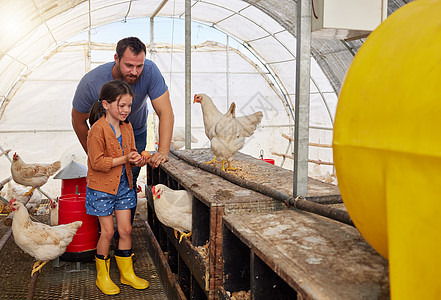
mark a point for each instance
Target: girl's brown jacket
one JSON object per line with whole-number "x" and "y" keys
{"x": 102, "y": 147}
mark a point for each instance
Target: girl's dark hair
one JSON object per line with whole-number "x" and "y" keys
{"x": 110, "y": 91}
{"x": 133, "y": 43}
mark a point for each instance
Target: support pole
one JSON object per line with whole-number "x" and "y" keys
{"x": 301, "y": 122}
{"x": 187, "y": 74}
{"x": 152, "y": 28}
{"x": 152, "y": 39}
{"x": 88, "y": 63}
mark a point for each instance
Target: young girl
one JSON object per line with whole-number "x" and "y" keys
{"x": 111, "y": 153}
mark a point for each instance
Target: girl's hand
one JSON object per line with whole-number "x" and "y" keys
{"x": 136, "y": 159}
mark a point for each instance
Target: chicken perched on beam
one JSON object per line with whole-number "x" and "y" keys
{"x": 226, "y": 132}
{"x": 41, "y": 241}
{"x": 33, "y": 175}
{"x": 174, "y": 209}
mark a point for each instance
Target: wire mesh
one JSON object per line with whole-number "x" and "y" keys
{"x": 71, "y": 280}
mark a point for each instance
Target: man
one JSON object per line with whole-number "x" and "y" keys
{"x": 146, "y": 80}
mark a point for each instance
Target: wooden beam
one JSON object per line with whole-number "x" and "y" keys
{"x": 310, "y": 144}
{"x": 318, "y": 162}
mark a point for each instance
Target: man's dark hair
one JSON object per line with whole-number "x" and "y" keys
{"x": 133, "y": 43}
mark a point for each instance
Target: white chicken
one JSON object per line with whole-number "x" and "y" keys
{"x": 226, "y": 132}
{"x": 173, "y": 208}
{"x": 178, "y": 138}
{"x": 53, "y": 213}
{"x": 225, "y": 137}
{"x": 210, "y": 113}
{"x": 39, "y": 240}
{"x": 17, "y": 191}
{"x": 33, "y": 175}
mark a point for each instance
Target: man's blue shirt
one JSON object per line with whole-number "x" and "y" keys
{"x": 151, "y": 84}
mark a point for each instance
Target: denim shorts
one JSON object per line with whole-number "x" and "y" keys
{"x": 103, "y": 204}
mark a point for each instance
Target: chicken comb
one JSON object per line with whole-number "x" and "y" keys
{"x": 154, "y": 193}
{"x": 10, "y": 203}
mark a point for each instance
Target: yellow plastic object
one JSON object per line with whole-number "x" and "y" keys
{"x": 387, "y": 146}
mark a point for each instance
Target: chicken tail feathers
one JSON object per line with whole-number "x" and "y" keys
{"x": 249, "y": 123}
{"x": 77, "y": 224}
{"x": 232, "y": 110}
{"x": 54, "y": 167}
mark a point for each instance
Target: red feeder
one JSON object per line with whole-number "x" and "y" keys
{"x": 72, "y": 208}
{"x": 74, "y": 185}
{"x": 268, "y": 160}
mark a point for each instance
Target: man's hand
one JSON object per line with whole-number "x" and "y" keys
{"x": 158, "y": 158}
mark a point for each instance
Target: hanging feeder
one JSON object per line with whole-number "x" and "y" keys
{"x": 268, "y": 160}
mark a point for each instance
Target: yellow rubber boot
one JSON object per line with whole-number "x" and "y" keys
{"x": 128, "y": 277}
{"x": 103, "y": 281}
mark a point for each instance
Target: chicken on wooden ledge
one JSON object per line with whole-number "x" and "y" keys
{"x": 210, "y": 115}
{"x": 226, "y": 132}
{"x": 33, "y": 175}
{"x": 174, "y": 209}
{"x": 41, "y": 241}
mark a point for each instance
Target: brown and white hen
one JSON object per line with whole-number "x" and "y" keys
{"x": 33, "y": 175}
{"x": 41, "y": 241}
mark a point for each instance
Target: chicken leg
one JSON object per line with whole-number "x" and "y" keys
{"x": 187, "y": 235}
{"x": 37, "y": 266}
{"x": 213, "y": 161}
{"x": 229, "y": 166}
{"x": 30, "y": 192}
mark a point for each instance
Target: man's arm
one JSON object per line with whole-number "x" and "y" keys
{"x": 80, "y": 127}
{"x": 163, "y": 109}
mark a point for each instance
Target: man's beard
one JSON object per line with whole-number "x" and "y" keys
{"x": 127, "y": 78}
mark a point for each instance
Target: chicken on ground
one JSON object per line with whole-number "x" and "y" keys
{"x": 41, "y": 241}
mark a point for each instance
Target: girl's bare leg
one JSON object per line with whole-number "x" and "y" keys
{"x": 123, "y": 220}
{"x": 103, "y": 246}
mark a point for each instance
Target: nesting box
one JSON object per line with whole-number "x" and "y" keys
{"x": 72, "y": 208}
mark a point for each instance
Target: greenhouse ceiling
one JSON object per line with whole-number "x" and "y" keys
{"x": 38, "y": 78}
{"x": 30, "y": 28}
